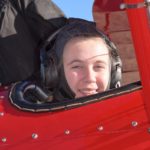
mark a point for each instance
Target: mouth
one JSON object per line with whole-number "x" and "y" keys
{"x": 86, "y": 92}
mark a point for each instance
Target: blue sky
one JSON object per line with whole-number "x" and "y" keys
{"x": 76, "y": 8}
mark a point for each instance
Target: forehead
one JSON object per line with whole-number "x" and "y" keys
{"x": 85, "y": 48}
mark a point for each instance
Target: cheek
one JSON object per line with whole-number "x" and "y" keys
{"x": 103, "y": 80}
{"x": 72, "y": 79}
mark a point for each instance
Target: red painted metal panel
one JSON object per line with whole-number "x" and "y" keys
{"x": 120, "y": 122}
{"x": 117, "y": 123}
{"x": 108, "y": 5}
{"x": 140, "y": 29}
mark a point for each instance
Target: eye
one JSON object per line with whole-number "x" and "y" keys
{"x": 99, "y": 67}
{"x": 77, "y": 67}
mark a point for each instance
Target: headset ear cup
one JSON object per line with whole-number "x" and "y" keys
{"x": 50, "y": 71}
{"x": 116, "y": 73}
{"x": 116, "y": 64}
{"x": 48, "y": 68}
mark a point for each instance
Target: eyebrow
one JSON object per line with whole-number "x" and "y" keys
{"x": 80, "y": 61}
{"x": 75, "y": 61}
{"x": 100, "y": 61}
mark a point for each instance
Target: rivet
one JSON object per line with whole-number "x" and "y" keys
{"x": 2, "y": 97}
{"x": 134, "y": 123}
{"x": 100, "y": 128}
{"x": 34, "y": 136}
{"x": 1, "y": 114}
{"x": 67, "y": 132}
{"x": 4, "y": 140}
{"x": 5, "y": 87}
{"x": 122, "y": 6}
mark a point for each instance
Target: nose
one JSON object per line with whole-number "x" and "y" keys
{"x": 89, "y": 75}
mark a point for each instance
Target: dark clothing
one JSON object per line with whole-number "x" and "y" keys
{"x": 24, "y": 24}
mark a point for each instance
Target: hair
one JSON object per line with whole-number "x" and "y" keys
{"x": 51, "y": 56}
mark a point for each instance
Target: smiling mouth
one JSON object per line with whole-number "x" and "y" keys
{"x": 87, "y": 92}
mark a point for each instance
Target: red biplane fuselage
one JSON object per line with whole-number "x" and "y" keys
{"x": 117, "y": 119}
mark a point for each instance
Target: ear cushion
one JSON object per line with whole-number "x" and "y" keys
{"x": 49, "y": 73}
{"x": 116, "y": 64}
{"x": 116, "y": 72}
{"x": 48, "y": 67}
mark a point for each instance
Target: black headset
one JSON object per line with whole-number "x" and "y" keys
{"x": 49, "y": 69}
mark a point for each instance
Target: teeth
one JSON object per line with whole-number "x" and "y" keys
{"x": 88, "y": 92}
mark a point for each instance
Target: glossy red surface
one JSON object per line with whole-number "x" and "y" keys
{"x": 139, "y": 23}
{"x": 119, "y": 123}
{"x": 102, "y": 125}
{"x": 108, "y": 5}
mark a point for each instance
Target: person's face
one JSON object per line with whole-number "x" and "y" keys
{"x": 86, "y": 66}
